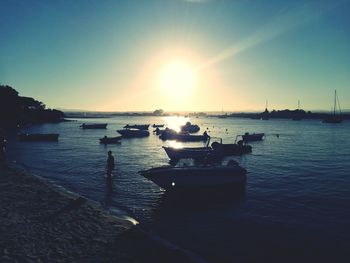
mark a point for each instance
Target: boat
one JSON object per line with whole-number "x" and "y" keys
{"x": 265, "y": 114}
{"x": 158, "y": 131}
{"x": 158, "y": 125}
{"x": 334, "y": 117}
{"x": 190, "y": 128}
{"x": 188, "y": 152}
{"x": 94, "y": 126}
{"x": 197, "y": 178}
{"x": 110, "y": 140}
{"x": 216, "y": 151}
{"x": 297, "y": 116}
{"x": 137, "y": 126}
{"x": 252, "y": 137}
{"x": 133, "y": 133}
{"x": 227, "y": 149}
{"x": 183, "y": 136}
{"x": 25, "y": 137}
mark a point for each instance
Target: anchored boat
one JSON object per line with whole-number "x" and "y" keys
{"x": 197, "y": 178}
{"x": 137, "y": 126}
{"x": 190, "y": 128}
{"x": 183, "y": 137}
{"x": 110, "y": 140}
{"x": 334, "y": 118}
{"x": 248, "y": 137}
{"x": 133, "y": 133}
{"x": 94, "y": 126}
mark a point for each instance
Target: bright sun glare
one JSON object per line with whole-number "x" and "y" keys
{"x": 178, "y": 79}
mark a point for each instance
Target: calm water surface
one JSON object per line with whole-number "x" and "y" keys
{"x": 296, "y": 204}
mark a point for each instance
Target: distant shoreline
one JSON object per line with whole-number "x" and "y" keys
{"x": 285, "y": 114}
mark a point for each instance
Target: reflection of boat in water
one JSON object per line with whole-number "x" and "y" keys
{"x": 110, "y": 140}
{"x": 94, "y": 126}
{"x": 252, "y": 137}
{"x": 137, "y": 126}
{"x": 133, "y": 133}
{"x": 24, "y": 137}
{"x": 197, "y": 178}
{"x": 169, "y": 134}
{"x": 334, "y": 118}
{"x": 190, "y": 128}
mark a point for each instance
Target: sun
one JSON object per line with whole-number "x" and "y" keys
{"x": 178, "y": 79}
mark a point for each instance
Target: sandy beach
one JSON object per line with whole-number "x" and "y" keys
{"x": 38, "y": 223}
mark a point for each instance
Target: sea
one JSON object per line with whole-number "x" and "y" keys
{"x": 295, "y": 206}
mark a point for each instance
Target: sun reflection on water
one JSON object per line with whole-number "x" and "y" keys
{"x": 174, "y": 122}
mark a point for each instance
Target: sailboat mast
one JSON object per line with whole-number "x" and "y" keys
{"x": 335, "y": 101}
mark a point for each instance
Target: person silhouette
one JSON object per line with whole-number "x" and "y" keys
{"x": 110, "y": 164}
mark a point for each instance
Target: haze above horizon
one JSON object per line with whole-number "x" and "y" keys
{"x": 194, "y": 55}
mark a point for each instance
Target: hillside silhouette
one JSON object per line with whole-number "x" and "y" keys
{"x": 18, "y": 111}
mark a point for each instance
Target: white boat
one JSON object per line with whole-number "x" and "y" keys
{"x": 197, "y": 178}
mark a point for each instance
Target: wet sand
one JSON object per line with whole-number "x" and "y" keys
{"x": 38, "y": 223}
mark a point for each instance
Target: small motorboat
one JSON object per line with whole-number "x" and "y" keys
{"x": 197, "y": 178}
{"x": 133, "y": 133}
{"x": 227, "y": 149}
{"x": 158, "y": 125}
{"x": 188, "y": 153}
{"x": 35, "y": 137}
{"x": 110, "y": 140}
{"x": 215, "y": 152}
{"x": 247, "y": 137}
{"x": 190, "y": 128}
{"x": 158, "y": 131}
{"x": 94, "y": 126}
{"x": 183, "y": 136}
{"x": 137, "y": 126}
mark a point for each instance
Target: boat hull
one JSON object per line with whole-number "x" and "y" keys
{"x": 253, "y": 137}
{"x": 94, "y": 126}
{"x": 183, "y": 137}
{"x": 111, "y": 140}
{"x": 196, "y": 178}
{"x": 183, "y": 153}
{"x": 133, "y": 133}
{"x": 231, "y": 149}
{"x": 333, "y": 120}
{"x": 137, "y": 126}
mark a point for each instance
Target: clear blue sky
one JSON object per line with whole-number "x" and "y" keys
{"x": 109, "y": 55}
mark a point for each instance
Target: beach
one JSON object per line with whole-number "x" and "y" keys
{"x": 39, "y": 223}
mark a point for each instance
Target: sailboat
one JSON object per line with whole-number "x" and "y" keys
{"x": 265, "y": 114}
{"x": 297, "y": 116}
{"x": 334, "y": 118}
{"x": 222, "y": 116}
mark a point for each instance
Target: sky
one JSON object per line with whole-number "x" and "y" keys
{"x": 177, "y": 55}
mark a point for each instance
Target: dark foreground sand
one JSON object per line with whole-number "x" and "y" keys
{"x": 38, "y": 223}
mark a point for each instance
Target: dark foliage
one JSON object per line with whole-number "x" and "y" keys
{"x": 16, "y": 110}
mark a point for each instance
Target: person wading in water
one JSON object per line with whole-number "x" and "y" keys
{"x": 110, "y": 164}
